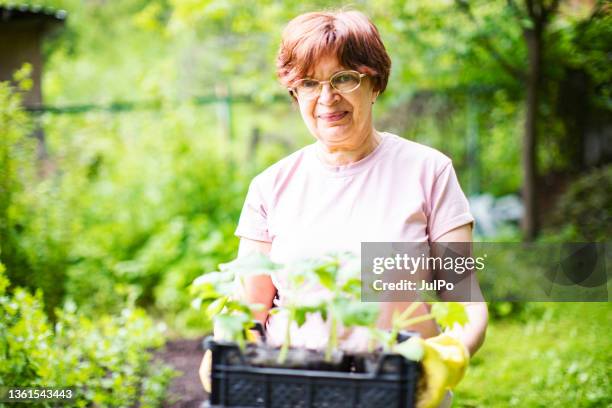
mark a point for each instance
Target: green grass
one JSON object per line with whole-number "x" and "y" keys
{"x": 555, "y": 355}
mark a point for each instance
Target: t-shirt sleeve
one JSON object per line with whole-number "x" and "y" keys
{"x": 449, "y": 208}
{"x": 253, "y": 223}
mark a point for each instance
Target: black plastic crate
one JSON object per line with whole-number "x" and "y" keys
{"x": 235, "y": 383}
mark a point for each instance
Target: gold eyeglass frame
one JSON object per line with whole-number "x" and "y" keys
{"x": 294, "y": 92}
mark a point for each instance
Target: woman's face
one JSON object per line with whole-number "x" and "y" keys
{"x": 339, "y": 121}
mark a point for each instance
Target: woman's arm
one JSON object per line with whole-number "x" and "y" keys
{"x": 473, "y": 333}
{"x": 257, "y": 289}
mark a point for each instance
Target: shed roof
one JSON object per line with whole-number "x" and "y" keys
{"x": 23, "y": 12}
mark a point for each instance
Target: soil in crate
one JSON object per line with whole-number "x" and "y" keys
{"x": 258, "y": 355}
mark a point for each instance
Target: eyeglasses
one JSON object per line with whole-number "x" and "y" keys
{"x": 343, "y": 82}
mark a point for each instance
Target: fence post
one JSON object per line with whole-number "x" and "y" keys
{"x": 472, "y": 144}
{"x": 254, "y": 142}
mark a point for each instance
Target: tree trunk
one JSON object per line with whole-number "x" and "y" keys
{"x": 533, "y": 38}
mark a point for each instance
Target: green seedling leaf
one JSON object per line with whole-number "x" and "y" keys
{"x": 213, "y": 278}
{"x": 250, "y": 265}
{"x": 299, "y": 281}
{"x": 230, "y": 327}
{"x": 300, "y": 312}
{"x": 395, "y": 317}
{"x": 382, "y": 336}
{"x": 204, "y": 291}
{"x": 274, "y": 311}
{"x": 300, "y": 316}
{"x": 410, "y": 349}
{"x": 216, "y": 306}
{"x": 237, "y": 306}
{"x": 352, "y": 313}
{"x": 447, "y": 314}
{"x": 327, "y": 274}
{"x": 323, "y": 312}
{"x": 197, "y": 303}
{"x": 226, "y": 288}
{"x": 352, "y": 287}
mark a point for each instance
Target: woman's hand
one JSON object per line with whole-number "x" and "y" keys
{"x": 445, "y": 360}
{"x": 205, "y": 370}
{"x": 206, "y": 364}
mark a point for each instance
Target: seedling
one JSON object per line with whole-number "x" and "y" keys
{"x": 216, "y": 293}
{"x": 446, "y": 314}
{"x": 338, "y": 274}
{"x": 299, "y": 278}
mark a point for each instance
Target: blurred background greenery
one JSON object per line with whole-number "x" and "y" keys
{"x": 157, "y": 113}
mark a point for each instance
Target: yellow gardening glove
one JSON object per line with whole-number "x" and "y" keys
{"x": 444, "y": 362}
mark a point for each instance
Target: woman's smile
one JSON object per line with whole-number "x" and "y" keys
{"x": 332, "y": 117}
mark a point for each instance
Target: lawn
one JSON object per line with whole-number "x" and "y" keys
{"x": 552, "y": 355}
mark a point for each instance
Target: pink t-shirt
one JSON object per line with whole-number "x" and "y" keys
{"x": 401, "y": 192}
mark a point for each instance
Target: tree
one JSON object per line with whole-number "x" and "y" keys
{"x": 533, "y": 17}
{"x": 539, "y": 14}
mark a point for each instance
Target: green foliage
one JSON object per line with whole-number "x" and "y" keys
{"x": 25, "y": 339}
{"x": 503, "y": 310}
{"x": 103, "y": 358}
{"x": 30, "y": 245}
{"x": 585, "y": 209}
{"x": 168, "y": 51}
{"x": 121, "y": 209}
{"x": 340, "y": 304}
{"x": 175, "y": 214}
{"x": 584, "y": 36}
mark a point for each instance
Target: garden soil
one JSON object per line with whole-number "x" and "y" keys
{"x": 184, "y": 356}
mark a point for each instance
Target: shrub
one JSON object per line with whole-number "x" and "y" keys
{"x": 585, "y": 209}
{"x": 107, "y": 359}
{"x": 125, "y": 206}
{"x": 31, "y": 241}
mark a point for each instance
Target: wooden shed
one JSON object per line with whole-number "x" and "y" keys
{"x": 22, "y": 30}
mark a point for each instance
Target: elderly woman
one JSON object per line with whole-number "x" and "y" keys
{"x": 354, "y": 184}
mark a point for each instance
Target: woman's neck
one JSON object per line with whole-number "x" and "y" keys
{"x": 343, "y": 157}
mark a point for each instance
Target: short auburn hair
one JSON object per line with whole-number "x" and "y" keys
{"x": 348, "y": 35}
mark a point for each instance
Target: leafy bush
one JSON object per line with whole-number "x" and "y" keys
{"x": 106, "y": 360}
{"x": 124, "y": 207}
{"x": 585, "y": 209}
{"x": 30, "y": 245}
